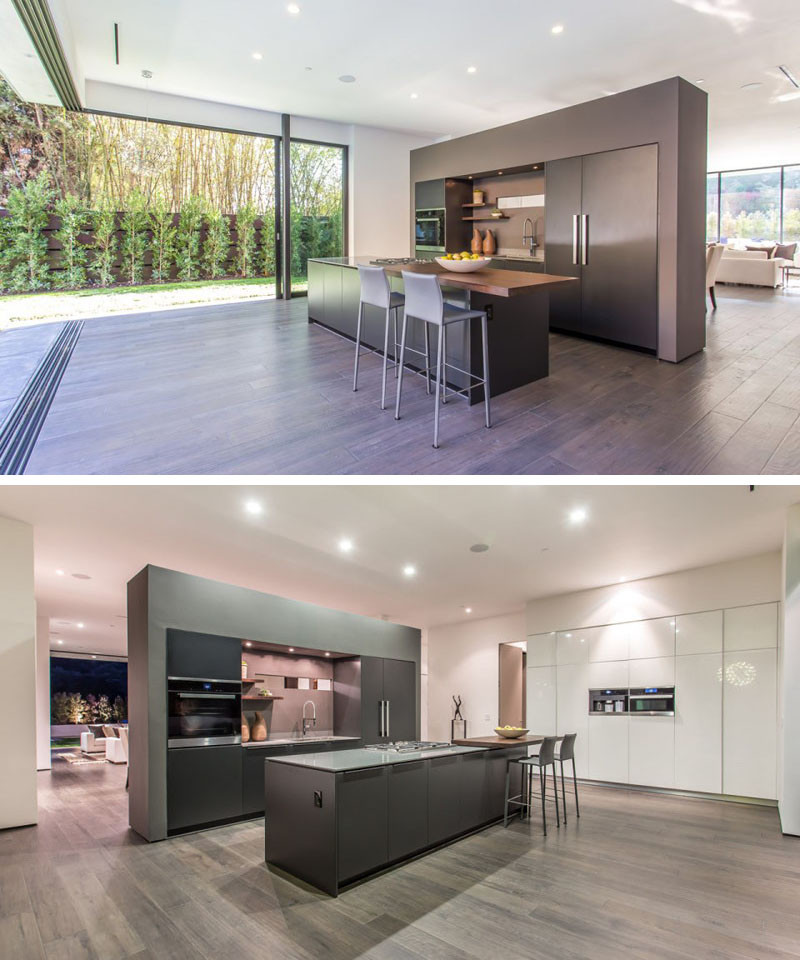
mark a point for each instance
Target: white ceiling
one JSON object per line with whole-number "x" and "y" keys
{"x": 111, "y": 532}
{"x": 203, "y": 49}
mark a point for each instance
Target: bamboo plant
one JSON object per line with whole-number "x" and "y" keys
{"x": 105, "y": 244}
{"x": 134, "y": 237}
{"x": 73, "y": 216}
{"x": 187, "y": 242}
{"x": 163, "y": 231}
{"x": 217, "y": 244}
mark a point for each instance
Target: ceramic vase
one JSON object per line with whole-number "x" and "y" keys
{"x": 489, "y": 244}
{"x": 245, "y": 729}
{"x": 259, "y": 731}
{"x": 477, "y": 241}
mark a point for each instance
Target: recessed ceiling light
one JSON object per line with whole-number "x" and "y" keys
{"x": 558, "y": 28}
{"x": 751, "y": 86}
{"x": 327, "y": 654}
{"x": 258, "y": 56}
{"x": 254, "y": 507}
{"x": 345, "y": 545}
{"x": 499, "y": 173}
{"x": 578, "y": 515}
{"x": 467, "y": 609}
{"x": 248, "y": 643}
{"x": 79, "y": 626}
{"x": 59, "y": 641}
{"x": 347, "y": 78}
{"x": 59, "y": 573}
{"x": 479, "y": 547}
{"x": 568, "y": 635}
{"x": 94, "y": 656}
{"x": 415, "y": 96}
{"x": 293, "y": 8}
{"x": 291, "y": 649}
{"x": 472, "y": 69}
{"x": 700, "y": 80}
{"x": 409, "y": 570}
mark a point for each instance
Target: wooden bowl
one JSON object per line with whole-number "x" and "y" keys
{"x": 512, "y": 734}
{"x": 463, "y": 266}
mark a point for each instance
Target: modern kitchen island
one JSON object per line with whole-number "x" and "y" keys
{"x": 334, "y": 818}
{"x": 517, "y": 302}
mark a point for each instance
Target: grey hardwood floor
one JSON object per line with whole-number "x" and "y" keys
{"x": 253, "y": 389}
{"x": 638, "y": 876}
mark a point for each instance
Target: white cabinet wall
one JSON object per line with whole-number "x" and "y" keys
{"x": 723, "y": 665}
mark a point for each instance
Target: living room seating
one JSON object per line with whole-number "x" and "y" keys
{"x": 752, "y": 267}
{"x": 93, "y": 740}
{"x": 713, "y": 258}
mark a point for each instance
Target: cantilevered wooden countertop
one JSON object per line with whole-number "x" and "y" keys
{"x": 495, "y": 742}
{"x": 495, "y": 283}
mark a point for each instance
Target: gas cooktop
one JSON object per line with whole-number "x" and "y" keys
{"x": 407, "y": 746}
{"x": 395, "y": 261}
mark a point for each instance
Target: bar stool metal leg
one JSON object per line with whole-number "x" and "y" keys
{"x": 542, "y": 785}
{"x": 508, "y": 786}
{"x": 396, "y": 343}
{"x": 555, "y": 791}
{"x": 563, "y": 791}
{"x": 575, "y": 784}
{"x": 438, "y": 384}
{"x": 486, "y": 390}
{"x": 427, "y": 359}
{"x": 385, "y": 358}
{"x": 358, "y": 346}
{"x": 402, "y": 357}
{"x": 444, "y": 364}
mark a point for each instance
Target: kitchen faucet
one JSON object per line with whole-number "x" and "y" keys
{"x": 309, "y": 721}
{"x": 529, "y": 238}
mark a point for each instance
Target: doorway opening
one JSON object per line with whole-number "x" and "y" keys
{"x": 512, "y": 691}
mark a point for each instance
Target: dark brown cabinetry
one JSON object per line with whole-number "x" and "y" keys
{"x": 602, "y": 227}
{"x": 204, "y": 786}
{"x": 388, "y": 699}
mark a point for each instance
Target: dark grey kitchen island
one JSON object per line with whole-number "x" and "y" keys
{"x": 518, "y": 304}
{"x": 334, "y": 818}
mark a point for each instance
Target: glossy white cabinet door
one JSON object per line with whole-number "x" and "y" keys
{"x": 749, "y": 723}
{"x": 609, "y": 643}
{"x": 608, "y": 749}
{"x": 652, "y": 638}
{"x": 651, "y": 751}
{"x": 612, "y": 674}
{"x": 572, "y": 646}
{"x": 541, "y": 650}
{"x": 699, "y": 633}
{"x": 655, "y": 672}
{"x": 572, "y": 710}
{"x": 698, "y": 722}
{"x": 541, "y": 699}
{"x": 751, "y": 628}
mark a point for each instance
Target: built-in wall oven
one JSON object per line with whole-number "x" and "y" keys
{"x": 429, "y": 230}
{"x": 203, "y": 712}
{"x": 652, "y": 701}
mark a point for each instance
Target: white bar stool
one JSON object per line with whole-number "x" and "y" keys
{"x": 376, "y": 292}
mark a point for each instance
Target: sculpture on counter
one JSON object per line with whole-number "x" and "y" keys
{"x": 489, "y": 243}
{"x": 457, "y": 702}
{"x": 259, "y": 729}
{"x": 245, "y": 729}
{"x": 477, "y": 241}
{"x": 458, "y": 725}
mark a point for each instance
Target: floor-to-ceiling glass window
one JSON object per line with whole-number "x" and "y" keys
{"x": 712, "y": 208}
{"x": 750, "y": 204}
{"x": 791, "y": 204}
{"x": 318, "y": 188}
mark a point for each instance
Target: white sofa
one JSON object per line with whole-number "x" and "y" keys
{"x": 91, "y": 743}
{"x": 752, "y": 267}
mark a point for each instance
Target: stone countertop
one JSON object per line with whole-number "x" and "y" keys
{"x": 295, "y": 741}
{"x": 494, "y": 743}
{"x": 343, "y": 760}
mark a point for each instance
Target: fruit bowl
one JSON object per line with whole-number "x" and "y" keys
{"x": 511, "y": 733}
{"x": 463, "y": 266}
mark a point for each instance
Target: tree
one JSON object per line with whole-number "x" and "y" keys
{"x": 105, "y": 244}
{"x": 246, "y": 240}
{"x": 134, "y": 237}
{"x": 217, "y": 244}
{"x": 119, "y": 710}
{"x": 268, "y": 242}
{"x": 163, "y": 231}
{"x": 26, "y": 256}
{"x": 75, "y": 708}
{"x": 187, "y": 242}
{"x": 59, "y": 712}
{"x": 89, "y": 708}
{"x": 73, "y": 215}
{"x": 103, "y": 708}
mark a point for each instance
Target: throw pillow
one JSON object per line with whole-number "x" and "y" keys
{"x": 770, "y": 251}
{"x": 786, "y": 251}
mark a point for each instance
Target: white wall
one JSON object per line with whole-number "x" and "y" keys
{"x": 789, "y": 674}
{"x": 43, "y": 761}
{"x": 379, "y": 176}
{"x": 17, "y": 675}
{"x": 732, "y": 584}
{"x": 463, "y": 659}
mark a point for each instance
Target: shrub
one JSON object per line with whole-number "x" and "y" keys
{"x": 119, "y": 710}
{"x": 73, "y": 216}
{"x": 134, "y": 237}
{"x": 26, "y": 254}
{"x": 246, "y": 240}
{"x": 106, "y": 244}
{"x": 268, "y": 242}
{"x": 187, "y": 241}
{"x": 161, "y": 226}
{"x": 217, "y": 245}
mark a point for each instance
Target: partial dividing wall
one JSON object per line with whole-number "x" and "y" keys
{"x": 672, "y": 113}
{"x": 789, "y": 685}
{"x": 17, "y": 676}
{"x": 159, "y": 599}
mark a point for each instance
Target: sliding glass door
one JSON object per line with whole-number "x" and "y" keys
{"x": 757, "y": 205}
{"x": 318, "y": 203}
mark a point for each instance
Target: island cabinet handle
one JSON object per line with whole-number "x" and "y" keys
{"x": 388, "y": 702}
{"x": 575, "y": 240}
{"x": 584, "y": 239}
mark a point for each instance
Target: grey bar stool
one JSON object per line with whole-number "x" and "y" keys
{"x": 566, "y": 751}
{"x": 424, "y": 301}
{"x": 541, "y": 761}
{"x": 375, "y": 290}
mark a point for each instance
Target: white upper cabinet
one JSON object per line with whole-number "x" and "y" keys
{"x": 541, "y": 650}
{"x": 751, "y": 628}
{"x": 613, "y": 673}
{"x": 652, "y": 638}
{"x": 609, "y": 643}
{"x": 749, "y": 723}
{"x": 699, "y": 633}
{"x": 541, "y": 700}
{"x": 572, "y": 646}
{"x": 572, "y": 709}
{"x": 653, "y": 672}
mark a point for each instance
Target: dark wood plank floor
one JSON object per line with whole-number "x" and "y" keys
{"x": 253, "y": 389}
{"x": 639, "y": 876}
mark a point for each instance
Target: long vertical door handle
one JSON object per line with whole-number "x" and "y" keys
{"x": 575, "y": 239}
{"x": 388, "y": 702}
{"x": 380, "y": 718}
{"x": 584, "y": 239}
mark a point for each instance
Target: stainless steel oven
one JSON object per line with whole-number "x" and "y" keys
{"x": 652, "y": 702}
{"x": 429, "y": 230}
{"x": 203, "y": 712}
